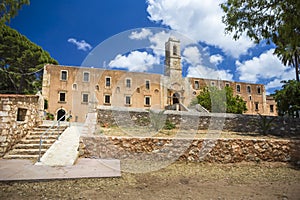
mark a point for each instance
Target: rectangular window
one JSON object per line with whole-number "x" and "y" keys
{"x": 256, "y": 106}
{"x": 107, "y": 81}
{"x": 147, "y": 85}
{"x": 249, "y": 89}
{"x": 197, "y": 86}
{"x": 63, "y": 75}
{"x": 127, "y": 100}
{"x": 271, "y": 108}
{"x": 62, "y": 97}
{"x": 128, "y": 83}
{"x": 85, "y": 98}
{"x": 227, "y": 85}
{"x": 21, "y": 114}
{"x": 238, "y": 88}
{"x": 258, "y": 90}
{"x": 86, "y": 76}
{"x": 147, "y": 101}
{"x": 107, "y": 99}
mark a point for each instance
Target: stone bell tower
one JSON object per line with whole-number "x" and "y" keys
{"x": 173, "y": 59}
{"x": 175, "y": 87}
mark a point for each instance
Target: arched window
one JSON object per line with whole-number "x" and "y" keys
{"x": 175, "y": 50}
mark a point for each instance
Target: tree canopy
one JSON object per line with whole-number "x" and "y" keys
{"x": 21, "y": 62}
{"x": 272, "y": 20}
{"x": 221, "y": 100}
{"x": 9, "y": 9}
{"x": 288, "y": 99}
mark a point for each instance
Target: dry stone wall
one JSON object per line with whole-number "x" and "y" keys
{"x": 201, "y": 121}
{"x": 218, "y": 150}
{"x": 191, "y": 150}
{"x": 18, "y": 115}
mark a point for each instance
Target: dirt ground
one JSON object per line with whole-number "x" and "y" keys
{"x": 177, "y": 181}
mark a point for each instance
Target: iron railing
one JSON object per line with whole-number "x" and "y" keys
{"x": 49, "y": 132}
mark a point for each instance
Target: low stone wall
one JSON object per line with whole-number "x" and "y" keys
{"x": 18, "y": 115}
{"x": 199, "y": 121}
{"x": 194, "y": 150}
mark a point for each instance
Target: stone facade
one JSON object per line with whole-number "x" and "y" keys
{"x": 18, "y": 115}
{"x": 191, "y": 150}
{"x": 79, "y": 90}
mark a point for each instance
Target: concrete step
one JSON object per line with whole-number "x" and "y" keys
{"x": 41, "y": 132}
{"x": 32, "y": 146}
{"x": 21, "y": 157}
{"x": 31, "y": 137}
{"x": 28, "y": 147}
{"x": 37, "y": 141}
{"x": 44, "y": 128}
{"x": 26, "y": 151}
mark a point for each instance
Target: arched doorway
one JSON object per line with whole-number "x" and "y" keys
{"x": 61, "y": 114}
{"x": 176, "y": 98}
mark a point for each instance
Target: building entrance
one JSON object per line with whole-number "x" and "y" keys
{"x": 61, "y": 114}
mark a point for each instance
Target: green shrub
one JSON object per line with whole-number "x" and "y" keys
{"x": 169, "y": 125}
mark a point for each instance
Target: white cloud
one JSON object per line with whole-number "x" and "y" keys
{"x": 158, "y": 42}
{"x": 81, "y": 45}
{"x": 199, "y": 20}
{"x": 216, "y": 59}
{"x": 276, "y": 83}
{"x": 209, "y": 73}
{"x": 266, "y": 66}
{"x": 143, "y": 34}
{"x": 192, "y": 55}
{"x": 135, "y": 61}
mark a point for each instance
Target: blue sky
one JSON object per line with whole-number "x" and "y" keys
{"x": 87, "y": 33}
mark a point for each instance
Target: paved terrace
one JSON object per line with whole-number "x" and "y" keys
{"x": 60, "y": 161}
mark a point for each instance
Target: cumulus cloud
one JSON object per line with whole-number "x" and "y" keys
{"x": 143, "y": 34}
{"x": 192, "y": 55}
{"x": 266, "y": 66}
{"x": 158, "y": 42}
{"x": 135, "y": 61}
{"x": 216, "y": 59}
{"x": 81, "y": 45}
{"x": 201, "y": 71}
{"x": 276, "y": 83}
{"x": 199, "y": 20}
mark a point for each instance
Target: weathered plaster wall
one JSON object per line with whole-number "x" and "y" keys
{"x": 13, "y": 130}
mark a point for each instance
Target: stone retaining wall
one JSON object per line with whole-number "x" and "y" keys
{"x": 18, "y": 115}
{"x": 199, "y": 121}
{"x": 194, "y": 150}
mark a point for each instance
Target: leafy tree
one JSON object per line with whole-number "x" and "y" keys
{"x": 288, "y": 99}
{"x": 271, "y": 20}
{"x": 220, "y": 101}
{"x": 9, "y": 9}
{"x": 21, "y": 62}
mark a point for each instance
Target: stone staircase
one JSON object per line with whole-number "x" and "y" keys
{"x": 28, "y": 147}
